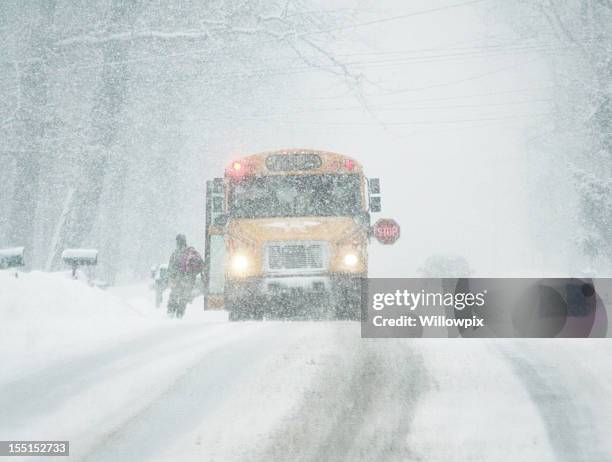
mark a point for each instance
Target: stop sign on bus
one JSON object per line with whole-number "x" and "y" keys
{"x": 386, "y": 230}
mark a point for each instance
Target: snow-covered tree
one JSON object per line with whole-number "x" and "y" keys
{"x": 96, "y": 100}
{"x": 576, "y": 38}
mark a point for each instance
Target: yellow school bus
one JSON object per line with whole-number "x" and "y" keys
{"x": 287, "y": 235}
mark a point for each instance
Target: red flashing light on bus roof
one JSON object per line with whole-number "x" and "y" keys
{"x": 349, "y": 164}
{"x": 239, "y": 170}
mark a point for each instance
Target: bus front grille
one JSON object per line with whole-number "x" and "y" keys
{"x": 295, "y": 257}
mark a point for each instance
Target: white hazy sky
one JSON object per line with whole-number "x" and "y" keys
{"x": 450, "y": 94}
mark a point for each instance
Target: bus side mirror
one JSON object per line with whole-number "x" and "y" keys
{"x": 217, "y": 186}
{"x": 374, "y": 185}
{"x": 375, "y": 205}
{"x": 374, "y": 194}
{"x": 215, "y": 202}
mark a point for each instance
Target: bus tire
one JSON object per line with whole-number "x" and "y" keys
{"x": 348, "y": 299}
{"x": 243, "y": 310}
{"x": 235, "y": 309}
{"x": 235, "y": 316}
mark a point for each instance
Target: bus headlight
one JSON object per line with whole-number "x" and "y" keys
{"x": 350, "y": 259}
{"x": 239, "y": 263}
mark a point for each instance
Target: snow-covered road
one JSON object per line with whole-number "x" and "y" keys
{"x": 206, "y": 389}
{"x": 316, "y": 391}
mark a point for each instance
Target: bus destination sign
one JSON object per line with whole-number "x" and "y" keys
{"x": 292, "y": 162}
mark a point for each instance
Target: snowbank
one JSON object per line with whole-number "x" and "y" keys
{"x": 46, "y": 316}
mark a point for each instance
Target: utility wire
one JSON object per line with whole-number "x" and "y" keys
{"x": 391, "y": 18}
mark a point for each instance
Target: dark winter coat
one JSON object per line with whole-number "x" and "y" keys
{"x": 185, "y": 264}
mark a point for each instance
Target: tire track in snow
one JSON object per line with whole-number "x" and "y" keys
{"x": 45, "y": 391}
{"x": 569, "y": 426}
{"x": 361, "y": 407}
{"x": 187, "y": 401}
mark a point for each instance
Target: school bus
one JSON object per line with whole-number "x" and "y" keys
{"x": 287, "y": 235}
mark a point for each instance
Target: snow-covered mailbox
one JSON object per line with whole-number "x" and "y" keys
{"x": 159, "y": 274}
{"x": 12, "y": 257}
{"x": 80, "y": 257}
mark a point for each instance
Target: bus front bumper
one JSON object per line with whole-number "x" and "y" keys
{"x": 304, "y": 296}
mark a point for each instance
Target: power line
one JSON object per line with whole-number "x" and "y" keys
{"x": 304, "y": 34}
{"x": 410, "y": 108}
{"x": 391, "y": 18}
{"x": 458, "y": 81}
{"x": 412, "y": 122}
{"x": 445, "y": 98}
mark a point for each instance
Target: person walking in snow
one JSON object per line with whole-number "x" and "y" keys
{"x": 185, "y": 264}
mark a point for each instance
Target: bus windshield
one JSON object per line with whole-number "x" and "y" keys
{"x": 295, "y": 195}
